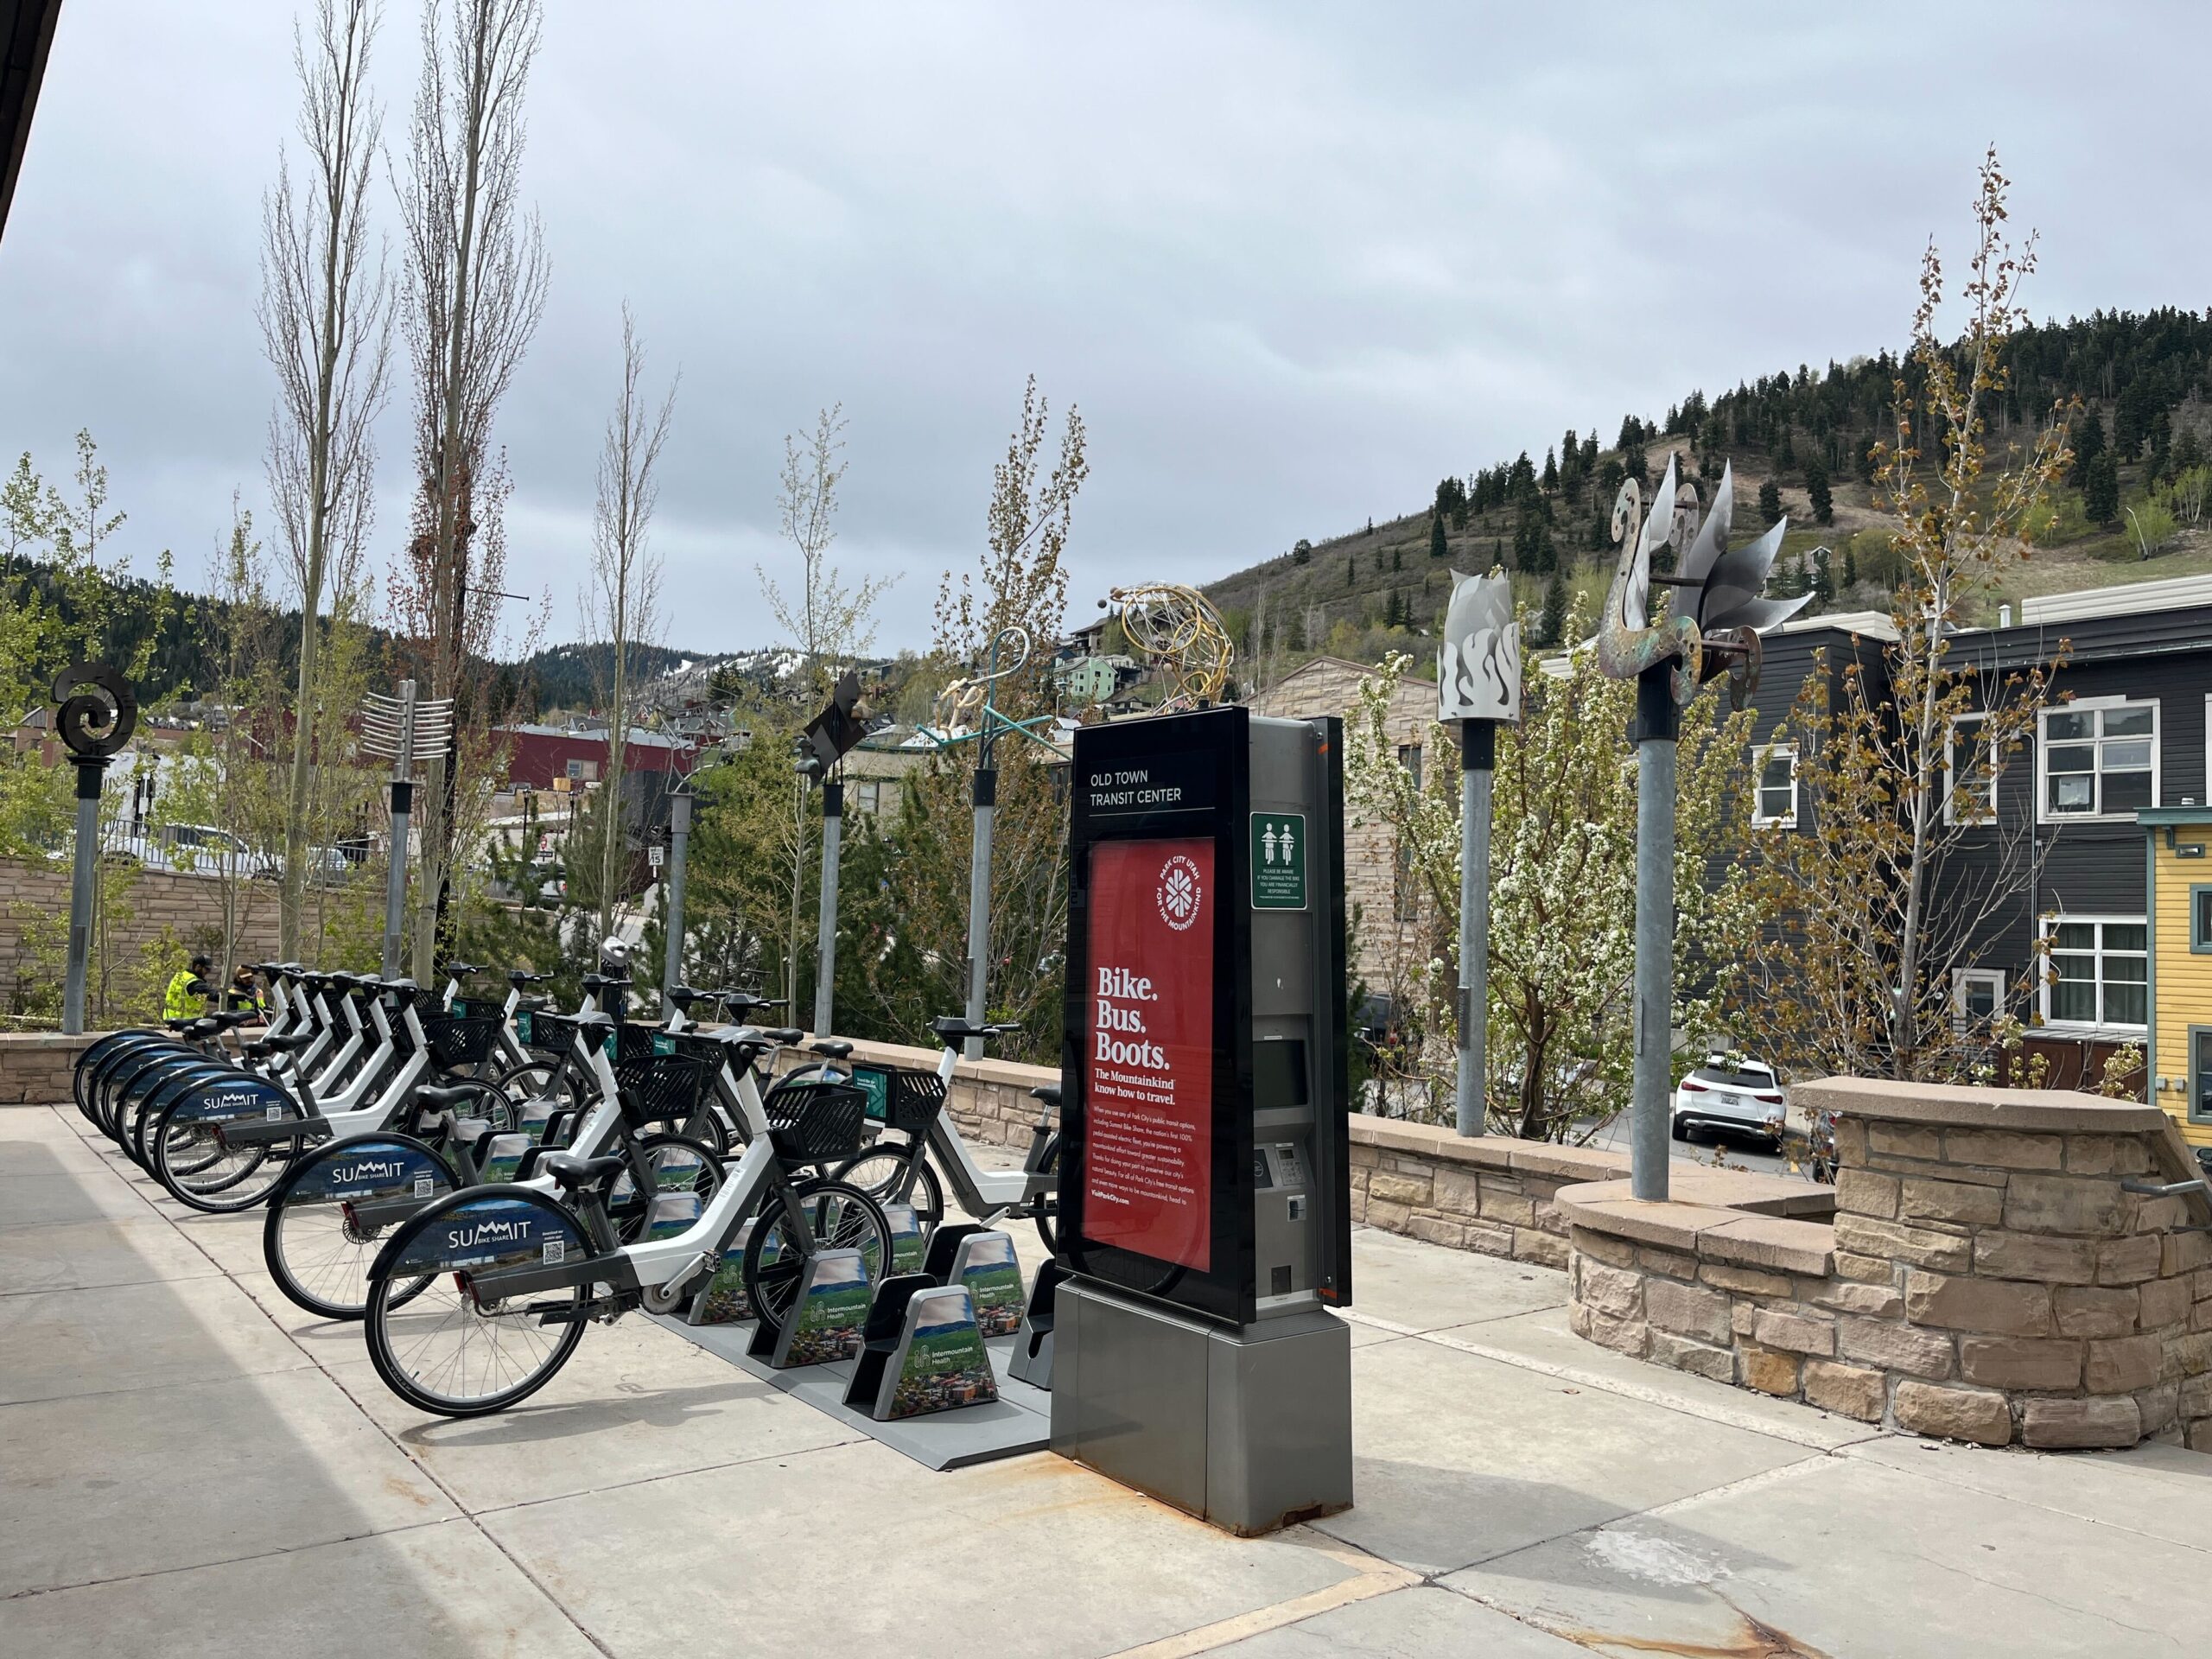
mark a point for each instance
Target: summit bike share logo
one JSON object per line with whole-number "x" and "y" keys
{"x": 1179, "y": 893}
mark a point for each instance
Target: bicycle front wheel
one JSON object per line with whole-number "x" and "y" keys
{"x": 880, "y": 1175}
{"x": 841, "y": 1217}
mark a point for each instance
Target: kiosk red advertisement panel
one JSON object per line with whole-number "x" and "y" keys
{"x": 1148, "y": 1165}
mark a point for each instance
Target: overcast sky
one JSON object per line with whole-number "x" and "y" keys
{"x": 1293, "y": 261}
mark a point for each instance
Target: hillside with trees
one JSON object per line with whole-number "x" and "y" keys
{"x": 2135, "y": 390}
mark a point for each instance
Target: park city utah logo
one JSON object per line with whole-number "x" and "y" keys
{"x": 1179, "y": 894}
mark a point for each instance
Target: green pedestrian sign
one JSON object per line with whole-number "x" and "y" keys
{"x": 1278, "y": 861}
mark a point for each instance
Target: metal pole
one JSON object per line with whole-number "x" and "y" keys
{"x": 1478, "y": 757}
{"x": 1658, "y": 722}
{"x": 395, "y": 892}
{"x": 679, "y": 841}
{"x": 825, "y": 927}
{"x": 979, "y": 900}
{"x": 90, "y": 773}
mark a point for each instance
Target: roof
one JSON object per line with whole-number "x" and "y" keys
{"x": 639, "y": 737}
{"x": 1877, "y": 624}
{"x": 2128, "y": 599}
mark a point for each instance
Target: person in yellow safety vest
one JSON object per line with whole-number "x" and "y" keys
{"x": 185, "y": 996}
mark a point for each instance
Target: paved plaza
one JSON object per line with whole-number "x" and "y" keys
{"x": 189, "y": 1464}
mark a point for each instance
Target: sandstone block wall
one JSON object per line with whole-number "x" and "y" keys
{"x": 1987, "y": 1277}
{"x": 188, "y": 907}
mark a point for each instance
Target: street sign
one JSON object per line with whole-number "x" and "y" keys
{"x": 1278, "y": 861}
{"x": 655, "y": 856}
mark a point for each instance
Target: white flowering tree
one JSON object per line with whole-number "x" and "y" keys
{"x": 1562, "y": 930}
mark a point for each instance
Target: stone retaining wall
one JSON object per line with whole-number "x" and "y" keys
{"x": 34, "y": 1066}
{"x": 1987, "y": 1276}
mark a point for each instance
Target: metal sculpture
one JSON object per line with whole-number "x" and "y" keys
{"x": 975, "y": 700}
{"x": 1179, "y": 630}
{"x": 95, "y": 715}
{"x": 1713, "y": 628}
{"x": 408, "y": 731}
{"x": 1478, "y": 685}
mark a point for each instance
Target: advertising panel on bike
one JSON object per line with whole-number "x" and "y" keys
{"x": 1148, "y": 1169}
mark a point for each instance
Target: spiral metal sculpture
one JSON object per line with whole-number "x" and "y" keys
{"x": 97, "y": 712}
{"x": 1182, "y": 634}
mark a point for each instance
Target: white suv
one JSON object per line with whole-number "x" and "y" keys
{"x": 1732, "y": 1093}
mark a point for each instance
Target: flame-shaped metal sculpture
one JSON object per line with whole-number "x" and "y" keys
{"x": 1716, "y": 626}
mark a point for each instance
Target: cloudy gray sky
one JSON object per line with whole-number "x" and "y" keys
{"x": 1293, "y": 261}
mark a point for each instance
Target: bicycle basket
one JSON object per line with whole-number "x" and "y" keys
{"x": 457, "y": 1043}
{"x": 908, "y": 1102}
{"x": 553, "y": 1035}
{"x": 661, "y": 1088}
{"x": 814, "y": 1121}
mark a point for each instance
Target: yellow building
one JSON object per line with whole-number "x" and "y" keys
{"x": 2179, "y": 876}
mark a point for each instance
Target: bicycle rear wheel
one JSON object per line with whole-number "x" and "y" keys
{"x": 445, "y": 1352}
{"x": 841, "y": 1217}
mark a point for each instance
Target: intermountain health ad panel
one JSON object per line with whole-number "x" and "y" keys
{"x": 1148, "y": 1161}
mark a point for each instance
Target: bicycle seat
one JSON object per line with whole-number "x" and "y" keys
{"x": 780, "y": 1033}
{"x": 570, "y": 1171}
{"x": 203, "y": 1026}
{"x": 440, "y": 1097}
{"x": 184, "y": 1024}
{"x": 232, "y": 1018}
{"x": 286, "y": 1041}
{"x": 955, "y": 1028}
{"x": 835, "y": 1047}
{"x": 1047, "y": 1092}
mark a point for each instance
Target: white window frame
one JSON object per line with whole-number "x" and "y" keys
{"x": 1950, "y": 777}
{"x": 1962, "y": 980}
{"x": 1760, "y": 756}
{"x": 2047, "y": 982}
{"x": 2090, "y": 705}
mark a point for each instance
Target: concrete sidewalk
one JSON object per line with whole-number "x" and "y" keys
{"x": 188, "y": 1464}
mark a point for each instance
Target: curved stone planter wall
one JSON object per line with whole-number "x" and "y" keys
{"x": 1987, "y": 1277}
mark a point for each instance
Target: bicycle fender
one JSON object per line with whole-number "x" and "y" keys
{"x": 373, "y": 1168}
{"x": 483, "y": 1230}
{"x": 240, "y": 1095}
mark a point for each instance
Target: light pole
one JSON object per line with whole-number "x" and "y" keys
{"x": 816, "y": 753}
{"x": 1478, "y": 684}
{"x": 1713, "y": 624}
{"x": 96, "y": 717}
{"x": 408, "y": 731}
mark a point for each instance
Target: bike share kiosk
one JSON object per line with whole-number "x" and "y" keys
{"x": 1204, "y": 1211}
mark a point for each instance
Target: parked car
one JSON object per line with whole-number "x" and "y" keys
{"x": 1730, "y": 1095}
{"x": 203, "y": 847}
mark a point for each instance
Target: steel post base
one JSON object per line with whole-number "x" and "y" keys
{"x": 1248, "y": 1429}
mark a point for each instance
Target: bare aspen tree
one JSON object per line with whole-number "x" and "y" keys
{"x": 830, "y": 621}
{"x": 623, "y": 604}
{"x": 325, "y": 327}
{"x": 476, "y": 280}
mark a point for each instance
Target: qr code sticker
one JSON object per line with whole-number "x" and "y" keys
{"x": 423, "y": 1185}
{"x": 276, "y": 1114}
{"x": 555, "y": 1252}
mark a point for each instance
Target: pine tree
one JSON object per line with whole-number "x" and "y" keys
{"x": 2100, "y": 490}
{"x": 1398, "y": 552}
{"x": 1786, "y": 454}
{"x": 1631, "y": 436}
{"x": 1816, "y": 487}
{"x": 1550, "y": 479}
{"x": 1553, "y": 622}
{"x": 1850, "y": 568}
{"x": 1823, "y": 578}
{"x": 1351, "y": 569}
{"x": 2089, "y": 444}
{"x": 1302, "y": 553}
{"x": 1393, "y": 616}
{"x": 1770, "y": 500}
{"x": 1437, "y": 546}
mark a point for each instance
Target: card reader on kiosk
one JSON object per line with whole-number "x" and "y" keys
{"x": 1204, "y": 1210}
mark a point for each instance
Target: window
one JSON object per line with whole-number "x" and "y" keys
{"x": 1977, "y": 997}
{"x": 2099, "y": 761}
{"x": 2200, "y": 1074}
{"x": 1409, "y": 758}
{"x": 2200, "y": 917}
{"x": 2100, "y": 972}
{"x": 867, "y": 796}
{"x": 1405, "y": 887}
{"x": 1775, "y": 802}
{"x": 1971, "y": 771}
